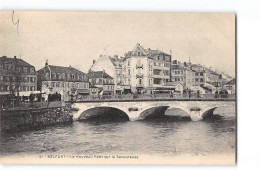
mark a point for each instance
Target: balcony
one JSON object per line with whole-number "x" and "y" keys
{"x": 139, "y": 65}
{"x": 140, "y": 85}
{"x": 161, "y": 68}
{"x": 161, "y": 76}
{"x": 139, "y": 75}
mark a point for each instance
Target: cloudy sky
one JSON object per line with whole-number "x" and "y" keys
{"x": 76, "y": 38}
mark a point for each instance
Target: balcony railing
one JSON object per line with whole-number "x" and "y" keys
{"x": 139, "y": 65}
{"x": 140, "y": 85}
{"x": 139, "y": 75}
{"x": 161, "y": 76}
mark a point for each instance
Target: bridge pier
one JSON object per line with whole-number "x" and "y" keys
{"x": 195, "y": 115}
{"x": 133, "y": 115}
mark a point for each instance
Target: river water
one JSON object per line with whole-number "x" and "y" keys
{"x": 165, "y": 136}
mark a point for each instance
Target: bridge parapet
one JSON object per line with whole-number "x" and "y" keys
{"x": 158, "y": 97}
{"x": 137, "y": 110}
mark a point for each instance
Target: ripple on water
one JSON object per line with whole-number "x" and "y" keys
{"x": 163, "y": 136}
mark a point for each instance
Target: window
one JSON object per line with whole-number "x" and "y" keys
{"x": 32, "y": 70}
{"x": 32, "y": 79}
{"x": 77, "y": 85}
{"x": 128, "y": 72}
{"x": 24, "y": 69}
{"x": 128, "y": 62}
{"x": 138, "y": 53}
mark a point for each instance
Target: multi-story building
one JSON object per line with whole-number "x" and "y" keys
{"x": 63, "y": 80}
{"x": 17, "y": 76}
{"x": 213, "y": 80}
{"x": 231, "y": 86}
{"x": 103, "y": 81}
{"x": 182, "y": 73}
{"x": 146, "y": 70}
{"x": 113, "y": 66}
{"x": 200, "y": 74}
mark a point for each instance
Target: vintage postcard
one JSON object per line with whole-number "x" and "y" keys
{"x": 117, "y": 88}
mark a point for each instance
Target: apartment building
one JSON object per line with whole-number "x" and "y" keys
{"x": 103, "y": 81}
{"x": 146, "y": 70}
{"x": 16, "y": 75}
{"x": 66, "y": 81}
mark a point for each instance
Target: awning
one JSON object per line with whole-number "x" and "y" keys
{"x": 27, "y": 93}
{"x": 164, "y": 88}
{"x": 4, "y": 93}
{"x": 83, "y": 91}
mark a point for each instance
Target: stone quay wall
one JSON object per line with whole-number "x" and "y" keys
{"x": 27, "y": 119}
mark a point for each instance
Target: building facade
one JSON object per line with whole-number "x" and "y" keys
{"x": 66, "y": 81}
{"x": 146, "y": 70}
{"x": 17, "y": 76}
{"x": 231, "y": 86}
{"x": 183, "y": 74}
{"x": 113, "y": 66}
{"x": 103, "y": 81}
{"x": 200, "y": 74}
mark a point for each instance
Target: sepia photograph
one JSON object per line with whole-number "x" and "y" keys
{"x": 118, "y": 88}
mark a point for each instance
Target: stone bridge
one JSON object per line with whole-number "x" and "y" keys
{"x": 137, "y": 110}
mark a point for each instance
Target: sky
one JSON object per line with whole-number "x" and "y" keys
{"x": 76, "y": 38}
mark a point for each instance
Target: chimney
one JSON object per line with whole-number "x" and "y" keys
{"x": 116, "y": 57}
{"x": 70, "y": 66}
{"x": 46, "y": 63}
{"x": 94, "y": 61}
{"x": 14, "y": 57}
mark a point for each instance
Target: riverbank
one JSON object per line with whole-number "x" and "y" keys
{"x": 34, "y": 118}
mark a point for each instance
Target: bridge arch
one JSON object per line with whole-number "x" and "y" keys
{"x": 103, "y": 112}
{"x": 208, "y": 112}
{"x": 182, "y": 109}
{"x": 153, "y": 111}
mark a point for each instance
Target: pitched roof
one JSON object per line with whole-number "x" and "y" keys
{"x": 156, "y": 52}
{"x": 61, "y": 69}
{"x": 145, "y": 52}
{"x": 98, "y": 74}
{"x": 15, "y": 60}
{"x": 231, "y": 82}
